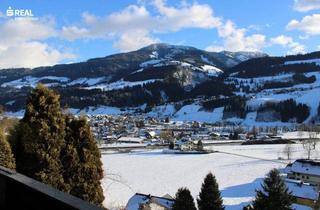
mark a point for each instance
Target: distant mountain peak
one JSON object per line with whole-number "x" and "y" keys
{"x": 159, "y": 46}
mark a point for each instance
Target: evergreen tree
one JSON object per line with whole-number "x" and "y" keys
{"x": 171, "y": 145}
{"x": 6, "y": 156}
{"x": 274, "y": 194}
{"x": 184, "y": 200}
{"x": 210, "y": 197}
{"x": 81, "y": 160}
{"x": 199, "y": 145}
{"x": 39, "y": 138}
{"x": 56, "y": 148}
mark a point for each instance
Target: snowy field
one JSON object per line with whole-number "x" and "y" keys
{"x": 152, "y": 172}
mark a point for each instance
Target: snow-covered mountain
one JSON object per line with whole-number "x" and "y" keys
{"x": 183, "y": 83}
{"x": 121, "y": 68}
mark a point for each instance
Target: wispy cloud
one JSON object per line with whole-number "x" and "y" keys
{"x": 306, "y": 5}
{"x": 287, "y": 42}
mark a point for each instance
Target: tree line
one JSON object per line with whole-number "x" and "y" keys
{"x": 235, "y": 105}
{"x": 296, "y": 79}
{"x": 269, "y": 66}
{"x": 149, "y": 93}
{"x": 273, "y": 194}
{"x": 288, "y": 109}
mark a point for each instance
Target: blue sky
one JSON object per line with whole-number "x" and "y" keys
{"x": 71, "y": 31}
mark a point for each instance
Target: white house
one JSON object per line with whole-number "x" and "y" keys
{"x": 128, "y": 139}
{"x": 307, "y": 171}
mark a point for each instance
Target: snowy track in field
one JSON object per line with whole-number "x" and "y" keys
{"x": 252, "y": 157}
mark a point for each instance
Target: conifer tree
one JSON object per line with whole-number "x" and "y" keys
{"x": 39, "y": 138}
{"x": 184, "y": 200}
{"x": 200, "y": 146}
{"x": 274, "y": 194}
{"x": 69, "y": 156}
{"x": 6, "y": 156}
{"x": 210, "y": 197}
{"x": 56, "y": 148}
{"x": 81, "y": 160}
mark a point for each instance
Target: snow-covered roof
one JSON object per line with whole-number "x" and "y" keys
{"x": 151, "y": 133}
{"x": 131, "y": 139}
{"x": 302, "y": 190}
{"x": 287, "y": 169}
{"x": 135, "y": 201}
{"x": 138, "y": 199}
{"x": 311, "y": 167}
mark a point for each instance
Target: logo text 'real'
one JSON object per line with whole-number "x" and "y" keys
{"x": 19, "y": 12}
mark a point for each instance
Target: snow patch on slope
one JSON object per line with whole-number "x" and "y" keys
{"x": 194, "y": 112}
{"x": 154, "y": 54}
{"x": 121, "y": 84}
{"x": 211, "y": 70}
{"x": 87, "y": 81}
{"x": 30, "y": 81}
{"x": 315, "y": 61}
{"x": 103, "y": 110}
{"x": 166, "y": 110}
{"x": 150, "y": 62}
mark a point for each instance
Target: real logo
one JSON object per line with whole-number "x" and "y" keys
{"x": 19, "y": 12}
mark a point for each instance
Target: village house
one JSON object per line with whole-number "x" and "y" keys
{"x": 224, "y": 135}
{"x": 150, "y": 134}
{"x": 304, "y": 193}
{"x": 149, "y": 202}
{"x": 188, "y": 146}
{"x": 110, "y": 138}
{"x": 307, "y": 171}
{"x": 185, "y": 144}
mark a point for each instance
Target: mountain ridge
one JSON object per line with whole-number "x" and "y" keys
{"x": 117, "y": 66}
{"x": 183, "y": 83}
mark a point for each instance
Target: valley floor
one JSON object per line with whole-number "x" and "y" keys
{"x": 239, "y": 171}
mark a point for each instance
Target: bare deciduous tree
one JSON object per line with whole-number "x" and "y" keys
{"x": 309, "y": 146}
{"x": 288, "y": 151}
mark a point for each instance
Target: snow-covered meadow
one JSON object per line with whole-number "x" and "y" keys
{"x": 152, "y": 172}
